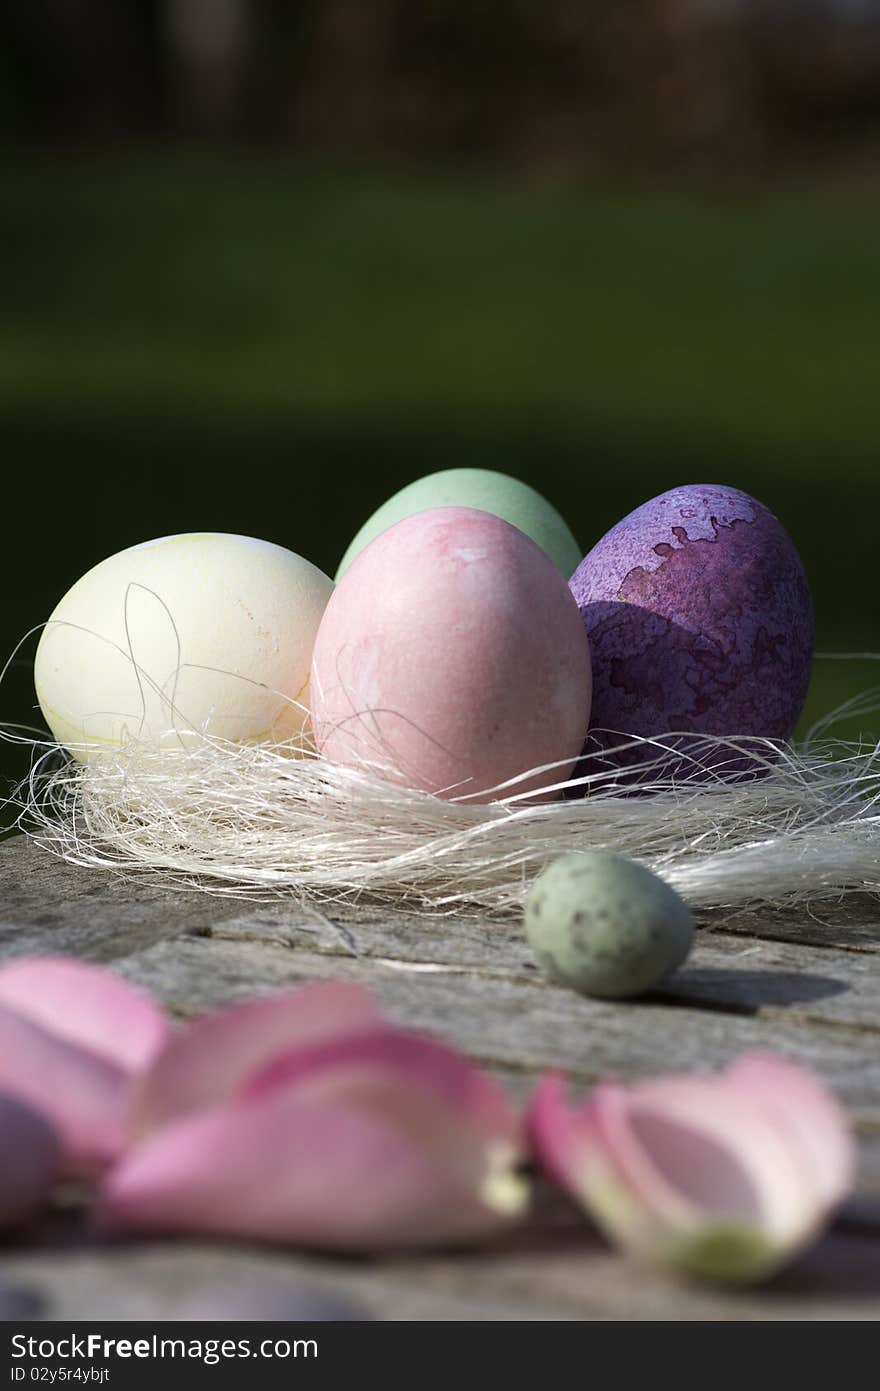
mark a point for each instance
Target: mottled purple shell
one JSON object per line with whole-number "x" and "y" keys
{"x": 699, "y": 619}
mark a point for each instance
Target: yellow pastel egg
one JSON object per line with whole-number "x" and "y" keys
{"x": 191, "y": 635}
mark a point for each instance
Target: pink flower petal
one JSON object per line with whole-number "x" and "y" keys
{"x": 350, "y": 1067}
{"x": 83, "y": 1095}
{"x": 86, "y": 1005}
{"x": 695, "y": 1152}
{"x": 214, "y": 1056}
{"x": 585, "y": 1149}
{"x": 802, "y": 1108}
{"x": 30, "y": 1160}
{"x": 392, "y": 1170}
{"x": 560, "y": 1134}
{"x": 717, "y": 1175}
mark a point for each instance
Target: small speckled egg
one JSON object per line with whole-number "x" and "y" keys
{"x": 485, "y": 490}
{"x": 201, "y": 633}
{"x": 451, "y": 658}
{"x": 605, "y": 925}
{"x": 699, "y": 618}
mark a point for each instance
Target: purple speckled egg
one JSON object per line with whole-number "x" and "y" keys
{"x": 699, "y": 618}
{"x": 451, "y": 658}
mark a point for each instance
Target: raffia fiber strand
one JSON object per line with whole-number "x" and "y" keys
{"x": 253, "y": 821}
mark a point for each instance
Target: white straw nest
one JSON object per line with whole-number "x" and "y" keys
{"x": 254, "y": 821}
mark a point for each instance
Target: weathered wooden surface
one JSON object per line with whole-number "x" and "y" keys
{"x": 807, "y": 986}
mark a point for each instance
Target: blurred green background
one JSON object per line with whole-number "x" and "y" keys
{"x": 264, "y": 264}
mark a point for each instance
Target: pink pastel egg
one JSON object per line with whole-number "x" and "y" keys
{"x": 451, "y": 658}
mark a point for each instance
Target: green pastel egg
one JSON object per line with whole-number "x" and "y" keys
{"x": 605, "y": 925}
{"x": 505, "y": 497}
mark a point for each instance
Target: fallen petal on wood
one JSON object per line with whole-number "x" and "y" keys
{"x": 723, "y": 1177}
{"x": 367, "y": 1141}
{"x": 88, "y": 1005}
{"x": 214, "y": 1055}
{"x": 72, "y": 1038}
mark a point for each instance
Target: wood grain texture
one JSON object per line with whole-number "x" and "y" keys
{"x": 809, "y": 987}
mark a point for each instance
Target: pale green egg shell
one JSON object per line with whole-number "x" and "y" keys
{"x": 605, "y": 925}
{"x": 504, "y": 497}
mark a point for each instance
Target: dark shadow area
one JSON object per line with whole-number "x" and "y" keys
{"x": 745, "y": 992}
{"x": 840, "y": 1266}
{"x": 861, "y": 1213}
{"x": 557, "y": 1224}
